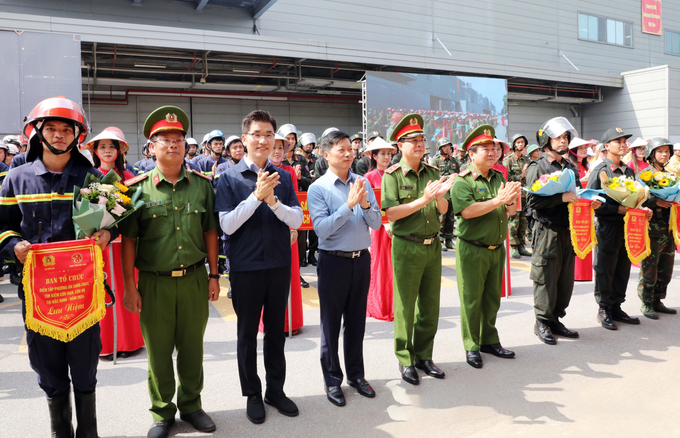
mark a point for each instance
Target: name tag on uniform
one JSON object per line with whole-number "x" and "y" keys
{"x": 481, "y": 189}
{"x": 154, "y": 203}
{"x": 407, "y": 187}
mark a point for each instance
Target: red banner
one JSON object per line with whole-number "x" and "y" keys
{"x": 64, "y": 288}
{"x": 582, "y": 227}
{"x": 636, "y": 233}
{"x": 674, "y": 224}
{"x": 651, "y": 17}
{"x": 378, "y": 198}
{"x": 306, "y": 217}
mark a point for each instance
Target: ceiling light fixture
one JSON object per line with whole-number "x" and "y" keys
{"x": 149, "y": 65}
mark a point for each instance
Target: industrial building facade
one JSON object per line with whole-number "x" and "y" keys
{"x": 302, "y": 60}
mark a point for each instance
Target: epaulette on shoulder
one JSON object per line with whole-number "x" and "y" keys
{"x": 430, "y": 165}
{"x": 196, "y": 172}
{"x": 464, "y": 173}
{"x": 136, "y": 179}
{"x": 392, "y": 169}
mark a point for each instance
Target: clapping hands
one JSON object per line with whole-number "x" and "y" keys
{"x": 437, "y": 189}
{"x": 358, "y": 194}
{"x": 264, "y": 188}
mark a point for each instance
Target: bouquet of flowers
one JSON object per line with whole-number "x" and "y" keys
{"x": 663, "y": 185}
{"x": 624, "y": 190}
{"x": 102, "y": 203}
{"x": 553, "y": 183}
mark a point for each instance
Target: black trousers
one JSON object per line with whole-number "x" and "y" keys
{"x": 611, "y": 264}
{"x": 313, "y": 244}
{"x": 52, "y": 359}
{"x": 303, "y": 246}
{"x": 254, "y": 294}
{"x": 343, "y": 291}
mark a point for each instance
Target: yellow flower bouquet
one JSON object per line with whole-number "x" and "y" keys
{"x": 624, "y": 190}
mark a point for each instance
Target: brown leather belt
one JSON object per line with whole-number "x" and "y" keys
{"x": 181, "y": 272}
{"x": 427, "y": 241}
{"x": 481, "y": 245}
{"x": 346, "y": 254}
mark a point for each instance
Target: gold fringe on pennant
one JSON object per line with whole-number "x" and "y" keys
{"x": 673, "y": 225}
{"x": 593, "y": 238}
{"x": 648, "y": 245}
{"x": 98, "y": 299}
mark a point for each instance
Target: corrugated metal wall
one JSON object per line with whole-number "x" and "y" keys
{"x": 526, "y": 118}
{"x": 222, "y": 114}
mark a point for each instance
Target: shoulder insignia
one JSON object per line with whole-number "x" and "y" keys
{"x": 392, "y": 169}
{"x": 464, "y": 173}
{"x": 201, "y": 175}
{"x": 136, "y": 179}
{"x": 612, "y": 167}
{"x": 549, "y": 158}
{"x": 432, "y": 166}
{"x": 156, "y": 179}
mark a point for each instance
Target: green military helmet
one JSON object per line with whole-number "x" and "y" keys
{"x": 517, "y": 136}
{"x": 531, "y": 148}
{"x": 166, "y": 118}
{"x": 409, "y": 126}
{"x": 657, "y": 142}
{"x": 480, "y": 134}
{"x": 443, "y": 142}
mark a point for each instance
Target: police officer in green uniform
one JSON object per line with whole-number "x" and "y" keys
{"x": 447, "y": 165}
{"x": 656, "y": 270}
{"x": 517, "y": 164}
{"x": 413, "y": 197}
{"x": 168, "y": 240}
{"x": 481, "y": 201}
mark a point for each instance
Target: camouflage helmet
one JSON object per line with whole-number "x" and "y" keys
{"x": 443, "y": 142}
{"x": 657, "y": 142}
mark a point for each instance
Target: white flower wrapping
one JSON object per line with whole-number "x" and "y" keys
{"x": 108, "y": 218}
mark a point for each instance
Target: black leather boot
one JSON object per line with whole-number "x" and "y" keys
{"x": 60, "y": 416}
{"x": 86, "y": 414}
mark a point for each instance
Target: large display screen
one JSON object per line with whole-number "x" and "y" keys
{"x": 451, "y": 106}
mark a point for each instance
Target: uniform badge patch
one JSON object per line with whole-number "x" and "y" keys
{"x": 406, "y": 187}
{"x": 154, "y": 203}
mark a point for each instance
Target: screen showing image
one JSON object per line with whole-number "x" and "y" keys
{"x": 451, "y": 106}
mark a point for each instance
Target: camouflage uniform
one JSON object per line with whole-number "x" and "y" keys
{"x": 447, "y": 166}
{"x": 656, "y": 270}
{"x": 518, "y": 223}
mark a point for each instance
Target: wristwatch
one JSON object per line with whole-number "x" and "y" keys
{"x": 215, "y": 276}
{"x": 276, "y": 204}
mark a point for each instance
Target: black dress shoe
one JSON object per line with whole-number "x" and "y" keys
{"x": 282, "y": 403}
{"x": 160, "y": 429}
{"x": 559, "y": 329}
{"x": 229, "y": 293}
{"x": 497, "y": 350}
{"x": 542, "y": 330}
{"x": 199, "y": 420}
{"x": 312, "y": 261}
{"x": 621, "y": 316}
{"x": 303, "y": 264}
{"x": 335, "y": 395}
{"x": 303, "y": 283}
{"x": 605, "y": 318}
{"x": 430, "y": 368}
{"x": 255, "y": 409}
{"x": 473, "y": 358}
{"x": 363, "y": 387}
{"x": 409, "y": 374}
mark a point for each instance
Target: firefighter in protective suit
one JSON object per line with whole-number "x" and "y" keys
{"x": 29, "y": 214}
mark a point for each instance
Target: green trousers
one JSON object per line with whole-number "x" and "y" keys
{"x": 656, "y": 271}
{"x": 480, "y": 274}
{"x": 417, "y": 272}
{"x": 174, "y": 316}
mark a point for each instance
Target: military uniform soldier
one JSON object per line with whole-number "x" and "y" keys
{"x": 447, "y": 165}
{"x": 412, "y": 197}
{"x": 168, "y": 240}
{"x": 517, "y": 164}
{"x": 656, "y": 270}
{"x": 481, "y": 200}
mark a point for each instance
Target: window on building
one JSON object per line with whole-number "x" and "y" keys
{"x": 672, "y": 42}
{"x": 605, "y": 30}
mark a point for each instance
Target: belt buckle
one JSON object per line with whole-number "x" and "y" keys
{"x": 179, "y": 273}
{"x": 428, "y": 241}
{"x": 356, "y": 254}
{"x": 492, "y": 247}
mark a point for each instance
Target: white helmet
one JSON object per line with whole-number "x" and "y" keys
{"x": 328, "y": 131}
{"x": 13, "y": 150}
{"x": 286, "y": 129}
{"x": 205, "y": 139}
{"x": 191, "y": 141}
{"x": 307, "y": 138}
{"x": 230, "y": 140}
{"x": 4, "y": 146}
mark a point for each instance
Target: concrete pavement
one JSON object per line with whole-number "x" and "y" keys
{"x": 606, "y": 383}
